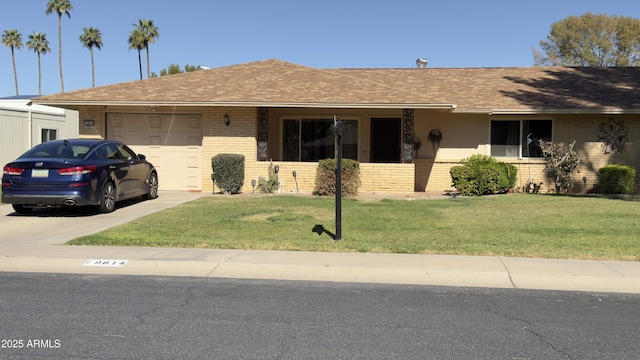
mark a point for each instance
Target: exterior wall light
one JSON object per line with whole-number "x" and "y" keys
{"x": 226, "y": 119}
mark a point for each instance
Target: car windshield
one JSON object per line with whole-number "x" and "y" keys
{"x": 57, "y": 150}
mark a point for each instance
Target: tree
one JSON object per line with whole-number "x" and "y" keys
{"x": 90, "y": 38}
{"x": 560, "y": 164}
{"x": 591, "y": 40}
{"x": 149, "y": 33}
{"x": 38, "y": 42}
{"x": 136, "y": 41}
{"x": 13, "y": 39}
{"x": 60, "y": 7}
{"x": 175, "y": 69}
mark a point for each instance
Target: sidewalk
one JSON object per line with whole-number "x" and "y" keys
{"x": 34, "y": 244}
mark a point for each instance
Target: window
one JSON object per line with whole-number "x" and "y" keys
{"x": 519, "y": 138}
{"x": 48, "y": 134}
{"x": 312, "y": 139}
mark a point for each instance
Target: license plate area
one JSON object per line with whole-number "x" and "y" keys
{"x": 39, "y": 173}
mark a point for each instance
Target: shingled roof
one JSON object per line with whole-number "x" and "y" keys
{"x": 278, "y": 83}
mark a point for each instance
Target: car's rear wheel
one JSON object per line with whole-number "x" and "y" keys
{"x": 21, "y": 209}
{"x": 107, "y": 198}
{"x": 152, "y": 187}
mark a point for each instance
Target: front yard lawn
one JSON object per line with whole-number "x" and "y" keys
{"x": 521, "y": 225}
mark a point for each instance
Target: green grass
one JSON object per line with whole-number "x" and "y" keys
{"x": 522, "y": 225}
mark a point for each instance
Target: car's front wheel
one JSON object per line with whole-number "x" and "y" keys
{"x": 21, "y": 209}
{"x": 152, "y": 187}
{"x": 107, "y": 198}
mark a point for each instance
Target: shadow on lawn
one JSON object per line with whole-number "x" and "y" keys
{"x": 319, "y": 229}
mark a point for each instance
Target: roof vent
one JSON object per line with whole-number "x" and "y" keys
{"x": 422, "y": 62}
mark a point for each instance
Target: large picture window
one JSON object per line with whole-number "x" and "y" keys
{"x": 312, "y": 139}
{"x": 519, "y": 138}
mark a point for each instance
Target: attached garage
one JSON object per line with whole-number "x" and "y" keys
{"x": 171, "y": 142}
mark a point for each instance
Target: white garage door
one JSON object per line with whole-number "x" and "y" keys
{"x": 172, "y": 143}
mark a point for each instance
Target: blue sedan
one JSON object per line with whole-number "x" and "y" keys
{"x": 77, "y": 172}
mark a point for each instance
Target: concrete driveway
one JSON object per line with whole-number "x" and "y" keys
{"x": 57, "y": 226}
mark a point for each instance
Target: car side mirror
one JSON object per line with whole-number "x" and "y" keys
{"x": 142, "y": 157}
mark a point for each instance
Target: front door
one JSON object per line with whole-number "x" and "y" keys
{"x": 385, "y": 140}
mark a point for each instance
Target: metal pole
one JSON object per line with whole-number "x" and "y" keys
{"x": 338, "y": 157}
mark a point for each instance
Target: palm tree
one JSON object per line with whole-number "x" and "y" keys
{"x": 13, "y": 39}
{"x": 38, "y": 42}
{"x": 90, "y": 38}
{"x": 149, "y": 34}
{"x": 136, "y": 41}
{"x": 60, "y": 7}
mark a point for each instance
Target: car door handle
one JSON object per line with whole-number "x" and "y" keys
{"x": 112, "y": 166}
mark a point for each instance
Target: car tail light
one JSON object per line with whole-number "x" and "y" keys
{"x": 82, "y": 184}
{"x": 12, "y": 170}
{"x": 77, "y": 170}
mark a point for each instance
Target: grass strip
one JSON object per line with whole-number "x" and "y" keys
{"x": 518, "y": 225}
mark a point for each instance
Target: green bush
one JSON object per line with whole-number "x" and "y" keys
{"x": 228, "y": 172}
{"x": 269, "y": 186}
{"x": 483, "y": 175}
{"x": 617, "y": 179}
{"x": 326, "y": 177}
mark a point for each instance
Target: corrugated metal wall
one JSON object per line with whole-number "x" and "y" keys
{"x": 21, "y": 126}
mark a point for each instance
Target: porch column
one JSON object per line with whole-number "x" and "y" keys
{"x": 263, "y": 122}
{"x": 407, "y": 135}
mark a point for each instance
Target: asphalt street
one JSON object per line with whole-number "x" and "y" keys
{"x": 68, "y": 316}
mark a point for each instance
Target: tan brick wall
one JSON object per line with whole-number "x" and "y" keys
{"x": 305, "y": 175}
{"x": 239, "y": 137}
{"x": 583, "y": 129}
{"x": 433, "y": 175}
{"x": 387, "y": 178}
{"x": 376, "y": 178}
{"x": 95, "y": 113}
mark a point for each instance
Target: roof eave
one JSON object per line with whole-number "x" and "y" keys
{"x": 601, "y": 111}
{"x": 448, "y": 107}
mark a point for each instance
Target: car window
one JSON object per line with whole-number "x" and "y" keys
{"x": 126, "y": 153}
{"x": 101, "y": 152}
{"x": 112, "y": 152}
{"x": 56, "y": 150}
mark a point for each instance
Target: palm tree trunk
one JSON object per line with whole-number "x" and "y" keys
{"x": 39, "y": 77}
{"x": 148, "y": 70}
{"x": 15, "y": 72}
{"x": 140, "y": 63}
{"x": 93, "y": 78}
{"x": 60, "y": 50}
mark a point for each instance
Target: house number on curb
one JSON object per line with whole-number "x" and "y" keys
{"x": 108, "y": 263}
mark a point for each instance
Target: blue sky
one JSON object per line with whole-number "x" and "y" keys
{"x": 328, "y": 33}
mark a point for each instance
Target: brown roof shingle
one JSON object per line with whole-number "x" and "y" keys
{"x": 279, "y": 83}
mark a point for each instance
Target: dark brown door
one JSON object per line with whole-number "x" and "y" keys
{"x": 385, "y": 140}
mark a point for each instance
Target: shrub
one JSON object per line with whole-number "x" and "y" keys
{"x": 483, "y": 175}
{"x": 269, "y": 186}
{"x": 617, "y": 179}
{"x": 560, "y": 165}
{"x": 228, "y": 172}
{"x": 326, "y": 177}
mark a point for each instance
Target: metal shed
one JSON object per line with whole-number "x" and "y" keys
{"x": 24, "y": 125}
